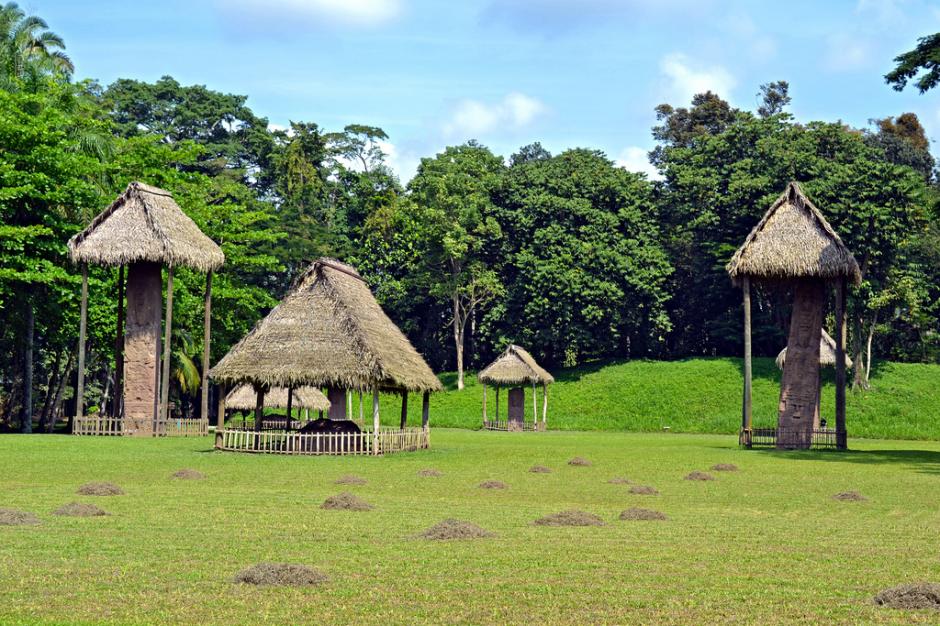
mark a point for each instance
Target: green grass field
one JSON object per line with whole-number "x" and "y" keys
{"x": 696, "y": 396}
{"x": 766, "y": 544}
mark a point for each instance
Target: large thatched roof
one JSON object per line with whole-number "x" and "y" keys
{"x": 514, "y": 367}
{"x": 244, "y": 397}
{"x": 145, "y": 224}
{"x": 328, "y": 332}
{"x": 827, "y": 353}
{"x": 793, "y": 240}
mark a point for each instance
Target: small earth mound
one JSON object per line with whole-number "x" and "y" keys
{"x": 349, "y": 479}
{"x": 697, "y": 475}
{"x": 493, "y": 484}
{"x": 280, "y": 574}
{"x": 80, "y": 509}
{"x": 540, "y": 469}
{"x": 346, "y": 502}
{"x": 637, "y": 514}
{"x": 100, "y": 489}
{"x": 849, "y": 496}
{"x": 618, "y": 480}
{"x": 644, "y": 490}
{"x": 188, "y": 474}
{"x": 572, "y": 517}
{"x": 13, "y": 517}
{"x": 579, "y": 461}
{"x": 724, "y": 467}
{"x": 430, "y": 473}
{"x": 912, "y": 596}
{"x": 455, "y": 529}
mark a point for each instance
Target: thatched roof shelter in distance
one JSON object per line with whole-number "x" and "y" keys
{"x": 243, "y": 398}
{"x": 827, "y": 353}
{"x": 145, "y": 224}
{"x": 513, "y": 368}
{"x": 793, "y": 240}
{"x": 516, "y": 368}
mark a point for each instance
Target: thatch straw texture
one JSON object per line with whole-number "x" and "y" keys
{"x": 793, "y": 240}
{"x": 513, "y": 368}
{"x": 145, "y": 224}
{"x": 827, "y": 353}
{"x": 243, "y": 398}
{"x": 329, "y": 331}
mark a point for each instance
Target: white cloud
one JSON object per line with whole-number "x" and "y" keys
{"x": 316, "y": 12}
{"x": 635, "y": 159}
{"x": 471, "y": 119}
{"x": 685, "y": 79}
{"x": 847, "y": 52}
{"x": 881, "y": 10}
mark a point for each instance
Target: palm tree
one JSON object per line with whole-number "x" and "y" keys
{"x": 28, "y": 50}
{"x": 185, "y": 371}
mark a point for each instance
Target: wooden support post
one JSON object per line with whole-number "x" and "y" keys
{"x": 841, "y": 433}
{"x": 259, "y": 407}
{"x": 375, "y": 421}
{"x": 349, "y": 404}
{"x": 426, "y": 411}
{"x": 404, "y": 408}
{"x": 164, "y": 412}
{"x": 82, "y": 331}
{"x": 544, "y": 405}
{"x": 484, "y": 404}
{"x": 361, "y": 414}
{"x": 535, "y": 408}
{"x": 220, "y": 417}
{"x": 118, "y": 401}
{"x": 497, "y": 406}
{"x": 747, "y": 405}
{"x": 290, "y": 404}
{"x": 206, "y": 340}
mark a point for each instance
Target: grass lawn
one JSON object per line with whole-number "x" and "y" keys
{"x": 766, "y": 544}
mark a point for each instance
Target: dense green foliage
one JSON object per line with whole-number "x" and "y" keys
{"x": 764, "y": 545}
{"x": 568, "y": 254}
{"x": 922, "y": 63}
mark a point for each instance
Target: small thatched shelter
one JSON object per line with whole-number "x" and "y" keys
{"x": 515, "y": 368}
{"x": 329, "y": 331}
{"x": 793, "y": 245}
{"x": 143, "y": 229}
{"x": 827, "y": 353}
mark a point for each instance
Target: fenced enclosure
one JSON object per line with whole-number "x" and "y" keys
{"x": 820, "y": 439}
{"x": 505, "y": 425}
{"x": 385, "y": 441}
{"x": 106, "y": 426}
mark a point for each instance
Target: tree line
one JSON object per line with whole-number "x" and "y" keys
{"x": 575, "y": 258}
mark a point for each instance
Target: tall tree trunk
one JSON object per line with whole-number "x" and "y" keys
{"x": 51, "y": 384}
{"x": 871, "y": 336}
{"x": 458, "y": 340}
{"x": 60, "y": 388}
{"x": 858, "y": 378}
{"x": 26, "y": 416}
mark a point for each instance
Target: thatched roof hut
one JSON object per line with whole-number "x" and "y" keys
{"x": 145, "y": 224}
{"x": 827, "y": 353}
{"x": 329, "y": 331}
{"x": 793, "y": 240}
{"x": 243, "y": 398}
{"x": 515, "y": 367}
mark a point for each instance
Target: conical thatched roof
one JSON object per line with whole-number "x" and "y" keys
{"x": 145, "y": 224}
{"x": 793, "y": 240}
{"x": 328, "y": 332}
{"x": 244, "y": 397}
{"x": 827, "y": 353}
{"x": 514, "y": 367}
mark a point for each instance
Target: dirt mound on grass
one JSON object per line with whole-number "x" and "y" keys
{"x": 637, "y": 514}
{"x": 100, "y": 489}
{"x": 580, "y": 461}
{"x": 644, "y": 490}
{"x": 540, "y": 469}
{"x": 849, "y": 496}
{"x": 346, "y": 502}
{"x": 13, "y": 517}
{"x": 188, "y": 474}
{"x": 618, "y": 480}
{"x": 724, "y": 467}
{"x": 912, "y": 596}
{"x": 80, "y": 509}
{"x": 455, "y": 529}
{"x": 430, "y": 472}
{"x": 349, "y": 479}
{"x": 697, "y": 475}
{"x": 571, "y": 517}
{"x": 493, "y": 484}
{"x": 280, "y": 574}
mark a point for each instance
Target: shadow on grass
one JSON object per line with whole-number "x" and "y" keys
{"x": 923, "y": 461}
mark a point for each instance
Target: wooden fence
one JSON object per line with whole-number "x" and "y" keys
{"x": 103, "y": 425}
{"x": 363, "y": 443}
{"x": 820, "y": 439}
{"x": 505, "y": 426}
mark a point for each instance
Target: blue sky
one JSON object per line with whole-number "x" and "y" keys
{"x": 577, "y": 73}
